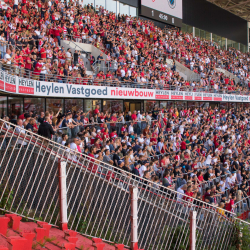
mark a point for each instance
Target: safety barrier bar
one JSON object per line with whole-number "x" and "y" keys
{"x": 242, "y": 206}
{"x": 31, "y": 75}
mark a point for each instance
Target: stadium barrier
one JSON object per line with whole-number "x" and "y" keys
{"x": 27, "y": 77}
{"x": 98, "y": 197}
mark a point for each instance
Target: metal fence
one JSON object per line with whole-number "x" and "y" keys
{"x": 72, "y": 132}
{"x": 242, "y": 206}
{"x": 98, "y": 197}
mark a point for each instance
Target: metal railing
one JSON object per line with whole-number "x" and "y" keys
{"x": 98, "y": 196}
{"x": 242, "y": 205}
{"x": 21, "y": 72}
{"x": 72, "y": 132}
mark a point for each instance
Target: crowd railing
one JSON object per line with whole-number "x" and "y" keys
{"x": 242, "y": 205}
{"x": 98, "y": 196}
{"x": 112, "y": 66}
{"x": 138, "y": 127}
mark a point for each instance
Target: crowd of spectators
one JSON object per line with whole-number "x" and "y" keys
{"x": 136, "y": 50}
{"x": 201, "y": 153}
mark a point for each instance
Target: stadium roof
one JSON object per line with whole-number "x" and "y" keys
{"x": 240, "y": 8}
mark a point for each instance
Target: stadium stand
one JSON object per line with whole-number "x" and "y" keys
{"x": 205, "y": 149}
{"x": 96, "y": 192}
{"x": 180, "y": 159}
{"x": 135, "y": 50}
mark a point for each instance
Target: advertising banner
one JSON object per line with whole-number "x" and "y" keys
{"x": 177, "y": 95}
{"x": 131, "y": 93}
{"x": 69, "y": 90}
{"x": 10, "y": 83}
{"x": 207, "y": 97}
{"x": 1, "y": 80}
{"x": 189, "y": 96}
{"x": 26, "y": 86}
{"x": 19, "y": 85}
{"x": 162, "y": 94}
{"x": 87, "y": 91}
{"x": 218, "y": 97}
{"x": 198, "y": 96}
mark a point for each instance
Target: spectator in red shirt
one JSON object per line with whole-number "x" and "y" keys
{"x": 134, "y": 116}
{"x": 113, "y": 119}
{"x": 92, "y": 158}
{"x": 230, "y": 205}
{"x": 43, "y": 52}
{"x": 57, "y": 31}
{"x": 97, "y": 111}
{"x": 183, "y": 146}
{"x": 38, "y": 69}
{"x": 113, "y": 134}
{"x": 188, "y": 194}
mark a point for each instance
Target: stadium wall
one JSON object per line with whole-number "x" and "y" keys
{"x": 158, "y": 24}
{"x": 209, "y": 17}
{"x": 134, "y": 3}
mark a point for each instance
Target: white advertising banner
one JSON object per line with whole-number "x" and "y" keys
{"x": 69, "y": 90}
{"x": 18, "y": 85}
{"x": 88, "y": 91}
{"x": 199, "y": 96}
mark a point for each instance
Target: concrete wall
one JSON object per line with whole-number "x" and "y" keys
{"x": 83, "y": 47}
{"x": 185, "y": 72}
{"x": 228, "y": 74}
{"x": 70, "y": 45}
{"x": 86, "y": 47}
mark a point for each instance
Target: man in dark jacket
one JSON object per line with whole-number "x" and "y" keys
{"x": 45, "y": 129}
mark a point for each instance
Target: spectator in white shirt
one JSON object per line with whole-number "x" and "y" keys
{"x": 223, "y": 184}
{"x": 209, "y": 159}
{"x": 19, "y": 130}
{"x": 7, "y": 57}
{"x": 131, "y": 128}
{"x": 229, "y": 182}
{"x": 122, "y": 72}
{"x": 160, "y": 145}
{"x": 142, "y": 169}
{"x": 141, "y": 140}
{"x": 181, "y": 191}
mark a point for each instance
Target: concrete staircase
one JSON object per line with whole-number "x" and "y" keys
{"x": 184, "y": 72}
{"x": 228, "y": 74}
{"x": 85, "y": 49}
{"x": 17, "y": 235}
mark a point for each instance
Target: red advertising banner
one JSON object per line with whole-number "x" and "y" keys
{"x": 217, "y": 98}
{"x": 26, "y": 86}
{"x": 1, "y": 80}
{"x": 162, "y": 94}
{"x": 177, "y": 95}
{"x": 198, "y": 98}
{"x": 10, "y": 83}
{"x": 26, "y": 90}
{"x": 2, "y": 84}
{"x": 207, "y": 97}
{"x": 10, "y": 87}
{"x": 188, "y": 98}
